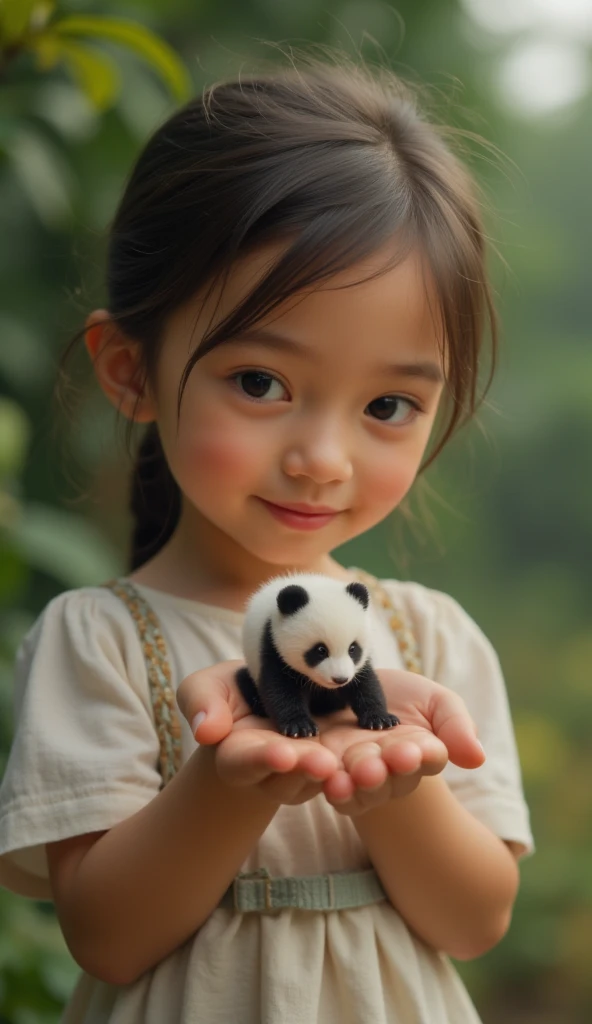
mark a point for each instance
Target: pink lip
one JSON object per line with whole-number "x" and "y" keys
{"x": 307, "y": 510}
{"x": 300, "y": 516}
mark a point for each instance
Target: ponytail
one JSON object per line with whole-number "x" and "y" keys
{"x": 155, "y": 501}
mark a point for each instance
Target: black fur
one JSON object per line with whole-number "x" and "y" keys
{"x": 359, "y": 592}
{"x": 291, "y": 599}
{"x": 288, "y": 698}
{"x": 355, "y": 652}
{"x": 316, "y": 654}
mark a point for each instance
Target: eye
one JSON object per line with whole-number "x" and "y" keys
{"x": 316, "y": 654}
{"x": 260, "y": 386}
{"x": 355, "y": 652}
{"x": 392, "y": 409}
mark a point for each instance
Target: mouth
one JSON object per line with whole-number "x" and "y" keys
{"x": 301, "y": 516}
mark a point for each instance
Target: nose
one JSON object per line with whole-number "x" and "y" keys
{"x": 339, "y": 680}
{"x": 321, "y": 454}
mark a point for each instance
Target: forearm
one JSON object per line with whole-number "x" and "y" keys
{"x": 150, "y": 882}
{"x": 451, "y": 879}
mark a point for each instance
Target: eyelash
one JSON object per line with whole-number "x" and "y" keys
{"x": 235, "y": 380}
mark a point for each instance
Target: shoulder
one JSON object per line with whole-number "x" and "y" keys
{"x": 86, "y": 631}
{"x": 446, "y": 634}
{"x": 80, "y": 615}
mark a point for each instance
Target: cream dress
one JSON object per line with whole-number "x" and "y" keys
{"x": 84, "y": 758}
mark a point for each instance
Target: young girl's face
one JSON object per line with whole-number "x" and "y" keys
{"x": 311, "y": 428}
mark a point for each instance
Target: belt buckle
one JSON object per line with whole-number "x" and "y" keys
{"x": 261, "y": 875}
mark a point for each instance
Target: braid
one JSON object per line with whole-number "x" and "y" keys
{"x": 155, "y": 500}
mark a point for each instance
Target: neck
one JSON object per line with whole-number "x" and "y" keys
{"x": 202, "y": 563}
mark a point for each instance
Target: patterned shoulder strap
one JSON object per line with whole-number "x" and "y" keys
{"x": 162, "y": 696}
{"x": 397, "y": 620}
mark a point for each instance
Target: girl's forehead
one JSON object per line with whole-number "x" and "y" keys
{"x": 376, "y": 296}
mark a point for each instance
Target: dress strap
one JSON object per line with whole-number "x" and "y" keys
{"x": 158, "y": 668}
{"x": 397, "y": 620}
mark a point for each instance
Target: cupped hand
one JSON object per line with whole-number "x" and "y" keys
{"x": 377, "y": 766}
{"x": 250, "y": 752}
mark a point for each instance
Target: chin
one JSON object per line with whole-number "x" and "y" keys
{"x": 281, "y": 553}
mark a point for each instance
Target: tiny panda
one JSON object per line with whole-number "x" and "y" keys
{"x": 305, "y": 640}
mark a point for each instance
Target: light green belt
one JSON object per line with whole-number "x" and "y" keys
{"x": 341, "y": 890}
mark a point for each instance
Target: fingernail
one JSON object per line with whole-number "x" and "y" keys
{"x": 196, "y": 722}
{"x": 481, "y": 745}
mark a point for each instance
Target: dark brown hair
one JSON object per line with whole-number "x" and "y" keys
{"x": 332, "y": 161}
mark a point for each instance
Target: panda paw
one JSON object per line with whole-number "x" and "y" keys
{"x": 378, "y": 720}
{"x": 299, "y": 728}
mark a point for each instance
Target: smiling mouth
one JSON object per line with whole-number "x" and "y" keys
{"x": 306, "y": 510}
{"x": 300, "y": 516}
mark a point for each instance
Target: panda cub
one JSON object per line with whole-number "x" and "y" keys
{"x": 305, "y": 640}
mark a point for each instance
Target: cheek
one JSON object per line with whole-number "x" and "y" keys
{"x": 387, "y": 480}
{"x": 216, "y": 448}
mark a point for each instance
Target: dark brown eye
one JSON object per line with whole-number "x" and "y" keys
{"x": 260, "y": 385}
{"x": 391, "y": 408}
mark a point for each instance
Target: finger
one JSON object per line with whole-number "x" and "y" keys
{"x": 204, "y": 699}
{"x": 363, "y": 761}
{"x": 289, "y": 789}
{"x": 406, "y": 756}
{"x": 453, "y": 725}
{"x": 339, "y": 788}
{"x": 246, "y": 762}
{"x": 317, "y": 763}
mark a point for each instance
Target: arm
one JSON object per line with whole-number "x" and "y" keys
{"x": 451, "y": 879}
{"x": 127, "y": 897}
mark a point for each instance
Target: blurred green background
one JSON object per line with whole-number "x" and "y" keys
{"x": 503, "y": 523}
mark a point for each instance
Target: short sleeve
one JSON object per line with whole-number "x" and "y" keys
{"x": 85, "y": 749}
{"x": 455, "y": 653}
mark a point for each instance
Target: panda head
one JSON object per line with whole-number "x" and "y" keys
{"x": 320, "y": 629}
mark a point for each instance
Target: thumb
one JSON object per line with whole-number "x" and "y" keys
{"x": 452, "y": 723}
{"x": 204, "y": 699}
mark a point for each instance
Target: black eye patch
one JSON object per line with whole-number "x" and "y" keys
{"x": 355, "y": 652}
{"x": 315, "y": 655}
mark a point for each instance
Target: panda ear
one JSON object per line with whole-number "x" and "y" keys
{"x": 359, "y": 592}
{"x": 291, "y": 599}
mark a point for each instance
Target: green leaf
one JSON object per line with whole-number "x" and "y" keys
{"x": 15, "y": 16}
{"x": 44, "y": 175}
{"x": 14, "y": 437}
{"x": 95, "y": 73}
{"x": 63, "y": 545}
{"x": 25, "y": 359}
{"x": 45, "y": 47}
{"x": 135, "y": 37}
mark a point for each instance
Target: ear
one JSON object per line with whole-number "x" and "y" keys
{"x": 117, "y": 362}
{"x": 291, "y": 599}
{"x": 359, "y": 592}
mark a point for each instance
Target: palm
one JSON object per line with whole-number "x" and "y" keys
{"x": 288, "y": 770}
{"x": 346, "y": 762}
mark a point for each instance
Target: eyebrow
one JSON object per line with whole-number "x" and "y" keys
{"x": 427, "y": 370}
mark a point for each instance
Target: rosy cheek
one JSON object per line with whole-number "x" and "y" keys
{"x": 389, "y": 481}
{"x": 219, "y": 451}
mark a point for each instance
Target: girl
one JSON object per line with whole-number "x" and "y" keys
{"x": 296, "y": 303}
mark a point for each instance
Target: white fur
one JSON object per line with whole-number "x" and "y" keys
{"x": 331, "y": 616}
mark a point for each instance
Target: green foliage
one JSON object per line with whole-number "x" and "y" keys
{"x": 78, "y": 94}
{"x": 26, "y": 25}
